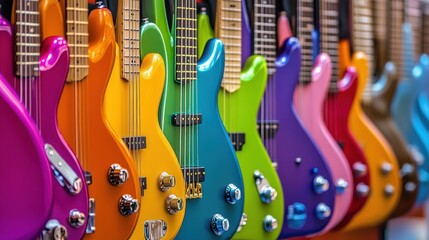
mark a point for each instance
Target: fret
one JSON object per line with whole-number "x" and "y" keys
{"x": 395, "y": 20}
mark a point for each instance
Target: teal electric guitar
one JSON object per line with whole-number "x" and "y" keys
{"x": 190, "y": 120}
{"x": 239, "y": 101}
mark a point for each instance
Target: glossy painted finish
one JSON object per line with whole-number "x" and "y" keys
{"x": 309, "y": 104}
{"x": 86, "y": 129}
{"x": 378, "y": 110}
{"x": 215, "y": 151}
{"x": 144, "y": 96}
{"x": 239, "y": 111}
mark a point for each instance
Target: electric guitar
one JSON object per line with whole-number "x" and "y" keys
{"x": 239, "y": 100}
{"x": 190, "y": 120}
{"x": 309, "y": 199}
{"x": 40, "y": 74}
{"x": 405, "y": 98}
{"x": 22, "y": 151}
{"x": 131, "y": 106}
{"x": 383, "y": 166}
{"x": 377, "y": 99}
{"x": 110, "y": 172}
{"x": 309, "y": 103}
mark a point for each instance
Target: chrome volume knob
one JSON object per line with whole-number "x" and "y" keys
{"x": 174, "y": 204}
{"x": 389, "y": 189}
{"x": 54, "y": 230}
{"x": 296, "y": 215}
{"x": 232, "y": 193}
{"x": 219, "y": 224}
{"x": 323, "y": 211}
{"x": 320, "y": 184}
{"x": 270, "y": 223}
{"x": 76, "y": 218}
{"x": 128, "y": 205}
{"x": 359, "y": 169}
{"x": 341, "y": 185}
{"x": 268, "y": 194}
{"x": 117, "y": 175}
{"x": 166, "y": 181}
{"x": 386, "y": 168}
{"x": 362, "y": 190}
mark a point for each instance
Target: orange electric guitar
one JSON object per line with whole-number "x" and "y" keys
{"x": 131, "y": 105}
{"x": 110, "y": 171}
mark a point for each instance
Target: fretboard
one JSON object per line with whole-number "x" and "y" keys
{"x": 414, "y": 16}
{"x": 329, "y": 28}
{"x": 128, "y": 33}
{"x": 426, "y": 27}
{"x": 77, "y": 38}
{"x": 27, "y": 38}
{"x": 395, "y": 30}
{"x": 186, "y": 40}
{"x": 380, "y": 34}
{"x": 228, "y": 29}
{"x": 264, "y": 34}
{"x": 304, "y": 31}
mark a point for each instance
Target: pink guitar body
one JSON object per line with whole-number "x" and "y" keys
{"x": 309, "y": 101}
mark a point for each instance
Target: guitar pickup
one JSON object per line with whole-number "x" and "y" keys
{"x": 179, "y": 120}
{"x": 268, "y": 128}
{"x": 238, "y": 140}
{"x": 135, "y": 143}
{"x": 194, "y": 174}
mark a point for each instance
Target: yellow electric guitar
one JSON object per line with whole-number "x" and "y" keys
{"x": 131, "y": 107}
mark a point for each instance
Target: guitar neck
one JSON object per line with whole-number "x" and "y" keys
{"x": 27, "y": 38}
{"x": 304, "y": 32}
{"x": 426, "y": 27}
{"x": 186, "y": 41}
{"x": 264, "y": 36}
{"x": 380, "y": 34}
{"x": 414, "y": 17}
{"x": 77, "y": 38}
{"x": 329, "y": 30}
{"x": 396, "y": 19}
{"x": 228, "y": 29}
{"x": 128, "y": 34}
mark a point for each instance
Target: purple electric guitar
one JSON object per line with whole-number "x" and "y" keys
{"x": 306, "y": 178}
{"x": 40, "y": 74}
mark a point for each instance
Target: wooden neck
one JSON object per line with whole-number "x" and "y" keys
{"x": 426, "y": 27}
{"x": 395, "y": 21}
{"x": 128, "y": 34}
{"x": 305, "y": 28}
{"x": 414, "y": 17}
{"x": 380, "y": 34}
{"x": 264, "y": 36}
{"x": 329, "y": 31}
{"x": 186, "y": 40}
{"x": 77, "y": 38}
{"x": 228, "y": 29}
{"x": 27, "y": 38}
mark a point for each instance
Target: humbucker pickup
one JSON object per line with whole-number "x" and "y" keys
{"x": 135, "y": 143}
{"x": 268, "y": 128}
{"x": 194, "y": 174}
{"x": 238, "y": 140}
{"x": 180, "y": 120}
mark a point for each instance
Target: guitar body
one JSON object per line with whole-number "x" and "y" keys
{"x": 214, "y": 148}
{"x": 46, "y": 91}
{"x": 98, "y": 146}
{"x": 422, "y": 106}
{"x": 158, "y": 156}
{"x": 309, "y": 99}
{"x": 378, "y": 110}
{"x": 239, "y": 114}
{"x": 22, "y": 152}
{"x": 384, "y": 186}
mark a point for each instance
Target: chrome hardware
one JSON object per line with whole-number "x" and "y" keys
{"x": 298, "y": 160}
{"x": 232, "y": 193}
{"x": 174, "y": 204}
{"x": 386, "y": 168}
{"x": 359, "y": 169}
{"x": 54, "y": 231}
{"x": 320, "y": 184}
{"x": 389, "y": 189}
{"x": 154, "y": 229}
{"x": 267, "y": 194}
{"x": 128, "y": 205}
{"x": 417, "y": 155}
{"x": 63, "y": 172}
{"x": 90, "y": 227}
{"x": 219, "y": 224}
{"x": 341, "y": 185}
{"x": 100, "y": 4}
{"x": 76, "y": 218}
{"x": 270, "y": 223}
{"x": 166, "y": 181}
{"x": 117, "y": 175}
{"x": 323, "y": 211}
{"x": 296, "y": 215}
{"x": 243, "y": 222}
{"x": 407, "y": 169}
{"x": 410, "y": 187}
{"x": 362, "y": 190}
